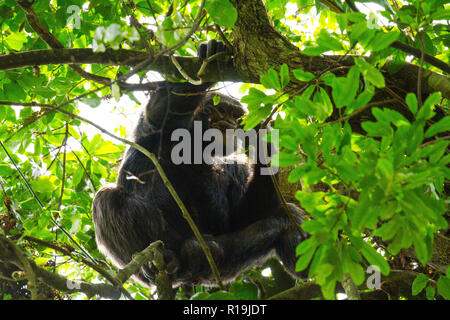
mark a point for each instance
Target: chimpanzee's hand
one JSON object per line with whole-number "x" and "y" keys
{"x": 210, "y": 48}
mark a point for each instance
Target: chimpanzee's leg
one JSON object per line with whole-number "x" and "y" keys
{"x": 237, "y": 251}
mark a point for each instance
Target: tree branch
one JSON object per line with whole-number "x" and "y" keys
{"x": 397, "y": 44}
{"x": 51, "y": 40}
{"x": 154, "y": 254}
{"x": 124, "y": 57}
{"x": 9, "y": 252}
{"x": 258, "y": 46}
{"x": 397, "y": 284}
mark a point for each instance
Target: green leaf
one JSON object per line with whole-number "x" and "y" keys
{"x": 14, "y": 91}
{"x": 385, "y": 168}
{"x": 314, "y": 51}
{"x": 430, "y": 293}
{"x": 324, "y": 104}
{"x": 328, "y": 290}
{"x": 222, "y": 295}
{"x": 5, "y": 170}
{"x": 356, "y": 273}
{"x": 77, "y": 176}
{"x": 222, "y": 12}
{"x": 377, "y": 129}
{"x": 411, "y": 101}
{"x": 216, "y": 99}
{"x": 438, "y": 127}
{"x": 254, "y": 96}
{"x": 443, "y": 287}
{"x": 383, "y": 40}
{"x": 328, "y": 42}
{"x": 270, "y": 80}
{"x": 303, "y": 261}
{"x": 441, "y": 14}
{"x": 362, "y": 99}
{"x": 44, "y": 184}
{"x": 422, "y": 249}
{"x": 372, "y": 256}
{"x": 345, "y": 88}
{"x": 15, "y": 40}
{"x": 255, "y": 117}
{"x": 285, "y": 159}
{"x": 310, "y": 226}
{"x": 92, "y": 101}
{"x": 372, "y": 74}
{"x": 426, "y": 111}
{"x": 37, "y": 146}
{"x": 244, "y": 290}
{"x": 305, "y": 246}
{"x": 73, "y": 132}
{"x": 115, "y": 91}
{"x": 284, "y": 75}
{"x": 419, "y": 284}
{"x": 106, "y": 148}
{"x": 303, "y": 75}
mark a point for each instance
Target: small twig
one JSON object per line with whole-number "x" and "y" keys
{"x": 22, "y": 175}
{"x": 84, "y": 169}
{"x": 419, "y": 74}
{"x": 224, "y": 39}
{"x": 63, "y": 180}
{"x": 433, "y": 141}
{"x": 153, "y": 12}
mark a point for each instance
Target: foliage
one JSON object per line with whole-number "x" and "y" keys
{"x": 382, "y": 187}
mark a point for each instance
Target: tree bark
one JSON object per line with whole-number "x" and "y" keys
{"x": 258, "y": 46}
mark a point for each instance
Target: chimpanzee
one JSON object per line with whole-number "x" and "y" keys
{"x": 234, "y": 206}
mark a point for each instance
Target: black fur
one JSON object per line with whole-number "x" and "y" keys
{"x": 235, "y": 208}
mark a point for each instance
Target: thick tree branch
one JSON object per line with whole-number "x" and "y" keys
{"x": 397, "y": 284}
{"x": 190, "y": 65}
{"x": 69, "y": 252}
{"x": 153, "y": 253}
{"x": 214, "y": 72}
{"x": 9, "y": 252}
{"x": 257, "y": 47}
